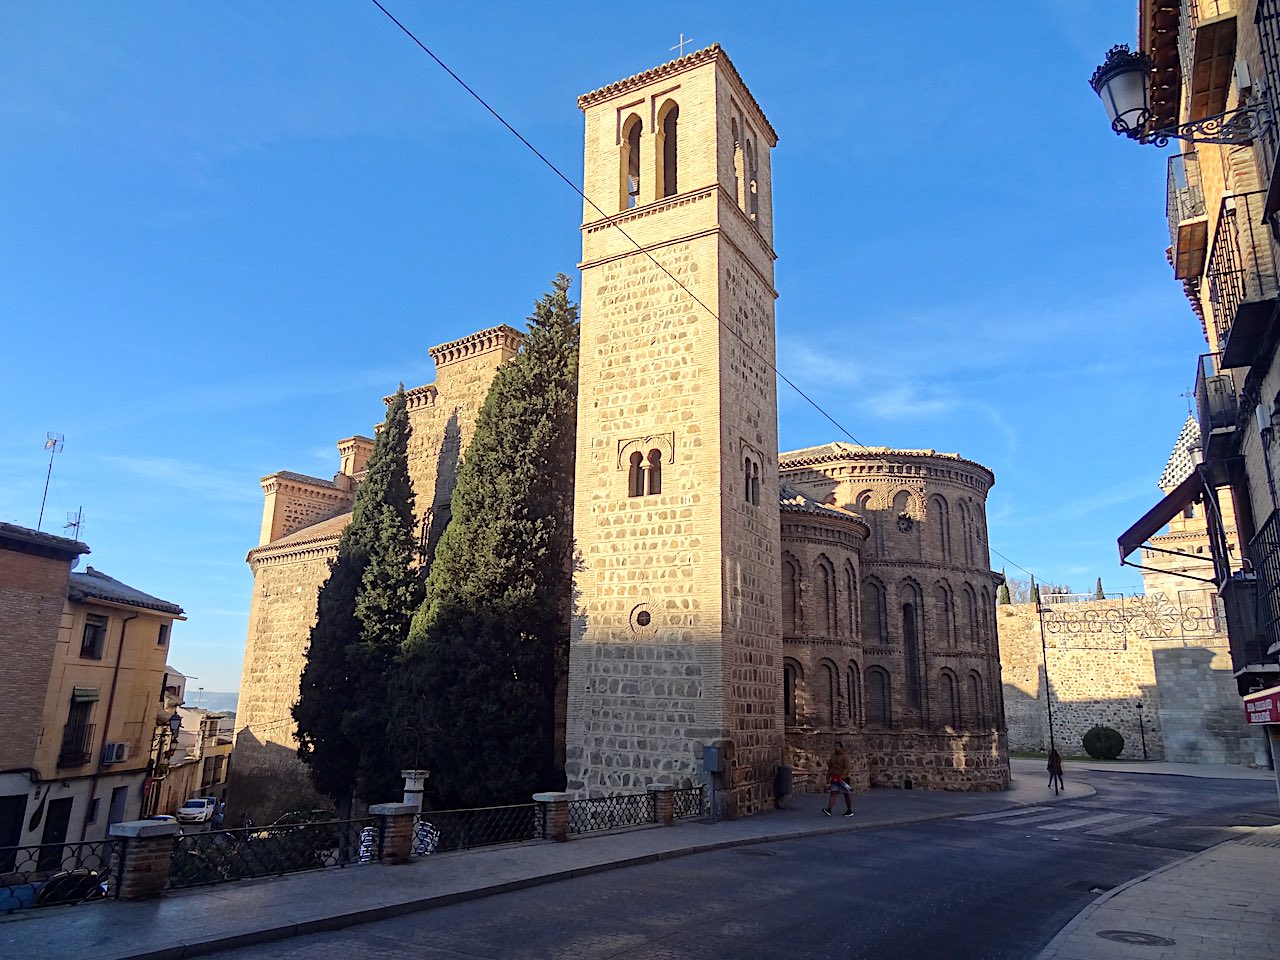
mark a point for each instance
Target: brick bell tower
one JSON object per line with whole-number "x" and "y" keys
{"x": 676, "y": 641}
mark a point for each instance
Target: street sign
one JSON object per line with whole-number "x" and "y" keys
{"x": 1263, "y": 706}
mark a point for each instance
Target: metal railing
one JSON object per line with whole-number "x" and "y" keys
{"x": 77, "y": 745}
{"x": 55, "y": 874}
{"x": 1242, "y": 266}
{"x": 438, "y": 831}
{"x": 1264, "y": 551}
{"x": 220, "y": 856}
{"x": 609, "y": 813}
{"x": 1185, "y": 196}
{"x": 690, "y": 802}
{"x": 1216, "y": 403}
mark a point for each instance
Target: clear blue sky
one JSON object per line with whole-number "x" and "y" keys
{"x": 228, "y": 229}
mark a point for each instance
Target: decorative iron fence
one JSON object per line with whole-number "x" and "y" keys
{"x": 690, "y": 802}
{"x": 54, "y": 874}
{"x": 220, "y": 856}
{"x": 1241, "y": 267}
{"x": 438, "y": 831}
{"x": 1264, "y": 550}
{"x": 1190, "y": 615}
{"x": 608, "y": 813}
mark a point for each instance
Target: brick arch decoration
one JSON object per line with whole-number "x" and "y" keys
{"x": 792, "y": 577}
{"x": 825, "y": 591}
{"x": 826, "y": 698}
{"x": 949, "y": 698}
{"x": 879, "y": 698}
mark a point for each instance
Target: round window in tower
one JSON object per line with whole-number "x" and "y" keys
{"x": 641, "y": 619}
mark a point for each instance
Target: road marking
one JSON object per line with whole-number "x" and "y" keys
{"x": 1001, "y": 814}
{"x": 1123, "y": 827}
{"x": 1072, "y": 824}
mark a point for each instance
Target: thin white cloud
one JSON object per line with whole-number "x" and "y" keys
{"x": 188, "y": 476}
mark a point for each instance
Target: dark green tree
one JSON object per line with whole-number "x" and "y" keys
{"x": 1097, "y": 591}
{"x": 1002, "y": 595}
{"x": 488, "y": 648}
{"x": 1035, "y": 592}
{"x": 390, "y": 593}
{"x": 341, "y": 711}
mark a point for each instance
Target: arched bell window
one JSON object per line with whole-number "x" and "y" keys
{"x": 666, "y": 152}
{"x": 653, "y": 483}
{"x": 629, "y": 175}
{"x": 635, "y": 476}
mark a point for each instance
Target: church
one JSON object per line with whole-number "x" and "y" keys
{"x": 766, "y": 603}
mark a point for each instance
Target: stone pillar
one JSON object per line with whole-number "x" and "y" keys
{"x": 664, "y": 803}
{"x": 414, "y": 786}
{"x": 397, "y": 829}
{"x": 555, "y": 813}
{"x": 148, "y": 848}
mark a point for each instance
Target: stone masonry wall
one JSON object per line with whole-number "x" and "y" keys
{"x": 1105, "y": 656}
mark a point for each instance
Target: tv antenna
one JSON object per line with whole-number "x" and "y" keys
{"x": 75, "y": 523}
{"x": 53, "y": 443}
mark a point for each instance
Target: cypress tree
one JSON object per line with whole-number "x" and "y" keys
{"x": 390, "y": 593}
{"x": 489, "y": 645}
{"x": 354, "y": 608}
{"x": 1097, "y": 591}
{"x": 1002, "y": 595}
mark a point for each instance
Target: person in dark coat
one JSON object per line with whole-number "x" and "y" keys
{"x": 838, "y": 767}
{"x": 1055, "y": 770}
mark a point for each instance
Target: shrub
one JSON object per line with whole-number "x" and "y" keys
{"x": 1103, "y": 743}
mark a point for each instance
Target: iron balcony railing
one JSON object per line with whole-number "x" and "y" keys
{"x": 1216, "y": 406}
{"x": 1264, "y": 551}
{"x": 1242, "y": 265}
{"x": 219, "y": 856}
{"x": 77, "y": 745}
{"x": 1186, "y": 213}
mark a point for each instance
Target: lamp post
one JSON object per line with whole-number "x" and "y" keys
{"x": 1122, "y": 83}
{"x": 1044, "y": 654}
{"x": 167, "y": 730}
{"x": 1142, "y": 731}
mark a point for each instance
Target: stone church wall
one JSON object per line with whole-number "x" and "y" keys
{"x": 1106, "y": 656}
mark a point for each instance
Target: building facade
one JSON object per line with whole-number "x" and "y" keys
{"x": 85, "y": 661}
{"x": 1209, "y": 58}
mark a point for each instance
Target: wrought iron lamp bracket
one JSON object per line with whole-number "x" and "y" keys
{"x": 1236, "y": 127}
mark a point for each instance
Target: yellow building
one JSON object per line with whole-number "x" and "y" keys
{"x": 98, "y": 667}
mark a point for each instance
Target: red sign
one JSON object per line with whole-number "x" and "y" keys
{"x": 1263, "y": 707}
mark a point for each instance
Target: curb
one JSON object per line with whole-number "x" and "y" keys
{"x": 1050, "y": 948}
{"x": 214, "y": 944}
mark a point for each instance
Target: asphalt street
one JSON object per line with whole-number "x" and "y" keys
{"x": 991, "y": 886}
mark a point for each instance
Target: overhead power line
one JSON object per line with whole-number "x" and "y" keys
{"x": 612, "y": 221}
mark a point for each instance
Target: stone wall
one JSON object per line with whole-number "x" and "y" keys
{"x": 937, "y": 761}
{"x": 1106, "y": 656}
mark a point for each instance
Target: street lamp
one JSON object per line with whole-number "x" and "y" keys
{"x": 1142, "y": 731}
{"x": 1044, "y": 654}
{"x": 1122, "y": 83}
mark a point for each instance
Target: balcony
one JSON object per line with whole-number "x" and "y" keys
{"x": 1207, "y": 54}
{"x": 1242, "y": 275}
{"x": 77, "y": 745}
{"x": 1188, "y": 220}
{"x": 1216, "y": 406}
{"x": 1251, "y": 651}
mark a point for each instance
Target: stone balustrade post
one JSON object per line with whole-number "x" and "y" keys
{"x": 664, "y": 803}
{"x": 555, "y": 815}
{"x": 397, "y": 829}
{"x": 148, "y": 850}
{"x": 414, "y": 786}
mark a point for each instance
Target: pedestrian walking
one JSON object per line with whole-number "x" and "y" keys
{"x": 838, "y": 781}
{"x": 1055, "y": 771}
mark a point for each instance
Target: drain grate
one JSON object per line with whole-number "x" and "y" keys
{"x": 1137, "y": 938}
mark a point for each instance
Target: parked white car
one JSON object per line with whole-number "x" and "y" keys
{"x": 196, "y": 810}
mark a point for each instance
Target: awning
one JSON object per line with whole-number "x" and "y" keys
{"x": 84, "y": 694}
{"x": 1263, "y": 706}
{"x": 1155, "y": 519}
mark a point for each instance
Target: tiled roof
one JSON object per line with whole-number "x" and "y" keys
{"x": 1181, "y": 461}
{"x": 47, "y": 541}
{"x": 94, "y": 585}
{"x": 791, "y": 500}
{"x": 697, "y": 58}
{"x": 302, "y": 478}
{"x": 329, "y": 529}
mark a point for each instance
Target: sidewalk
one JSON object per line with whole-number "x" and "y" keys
{"x": 202, "y": 920}
{"x": 1212, "y": 771}
{"x": 1218, "y": 903}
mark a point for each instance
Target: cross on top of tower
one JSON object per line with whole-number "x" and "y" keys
{"x": 681, "y": 43}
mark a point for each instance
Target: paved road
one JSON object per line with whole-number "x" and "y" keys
{"x": 979, "y": 887}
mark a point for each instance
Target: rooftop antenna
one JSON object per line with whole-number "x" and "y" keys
{"x": 75, "y": 522}
{"x": 53, "y": 443}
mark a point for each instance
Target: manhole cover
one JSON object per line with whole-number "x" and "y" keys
{"x": 755, "y": 853}
{"x": 1136, "y": 938}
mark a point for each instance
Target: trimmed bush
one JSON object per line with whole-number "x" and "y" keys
{"x": 1103, "y": 743}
